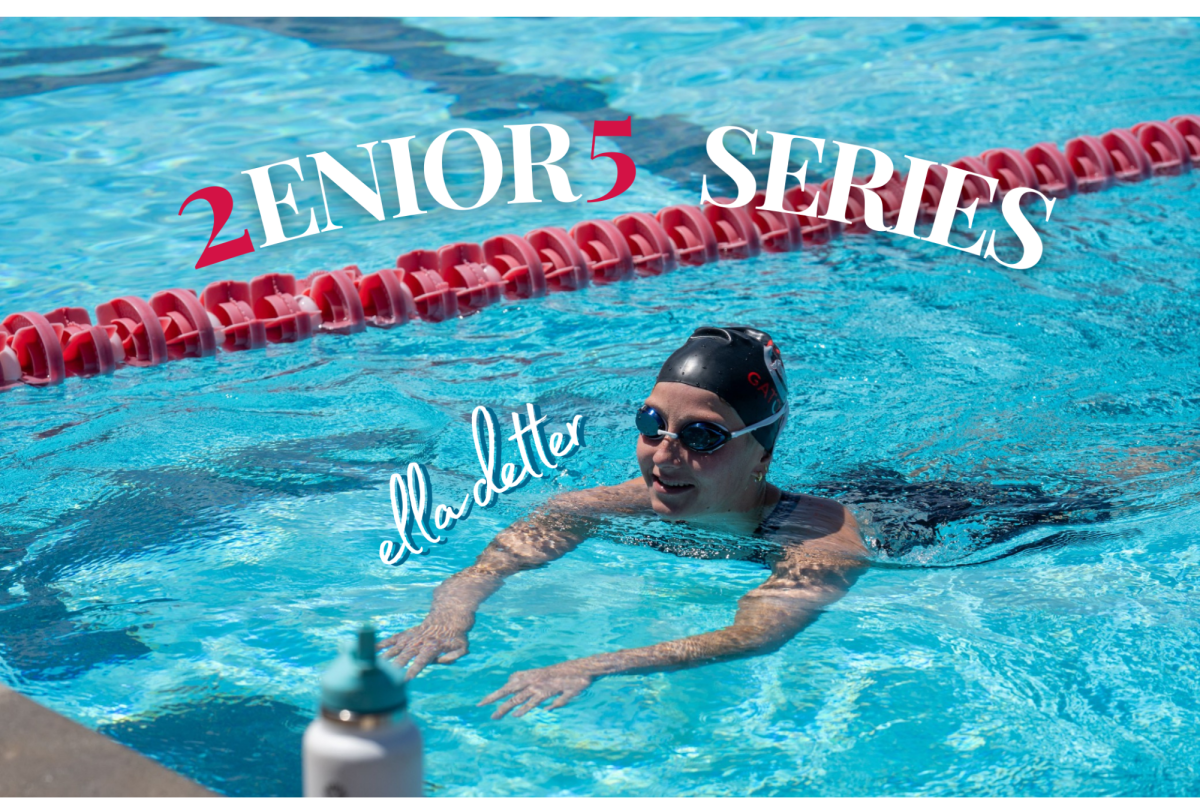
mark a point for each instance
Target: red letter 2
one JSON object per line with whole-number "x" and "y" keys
{"x": 221, "y": 202}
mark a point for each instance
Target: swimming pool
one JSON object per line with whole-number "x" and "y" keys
{"x": 184, "y": 546}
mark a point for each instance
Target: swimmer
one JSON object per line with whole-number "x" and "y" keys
{"x": 706, "y": 437}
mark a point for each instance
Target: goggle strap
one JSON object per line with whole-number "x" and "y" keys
{"x": 764, "y": 423}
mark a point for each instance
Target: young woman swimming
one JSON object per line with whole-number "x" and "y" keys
{"x": 707, "y": 433}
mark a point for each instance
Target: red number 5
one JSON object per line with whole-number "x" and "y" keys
{"x": 626, "y": 168}
{"x": 221, "y": 202}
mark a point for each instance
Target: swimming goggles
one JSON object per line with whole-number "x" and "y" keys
{"x": 703, "y": 437}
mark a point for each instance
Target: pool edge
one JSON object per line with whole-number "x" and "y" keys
{"x": 44, "y": 753}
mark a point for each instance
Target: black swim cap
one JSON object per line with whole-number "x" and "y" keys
{"x": 742, "y": 366}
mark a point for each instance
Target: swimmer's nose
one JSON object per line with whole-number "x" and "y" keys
{"x": 668, "y": 450}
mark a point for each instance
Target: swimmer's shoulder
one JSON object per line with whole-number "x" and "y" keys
{"x": 621, "y": 499}
{"x": 823, "y": 524}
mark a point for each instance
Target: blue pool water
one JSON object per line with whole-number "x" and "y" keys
{"x": 182, "y": 548}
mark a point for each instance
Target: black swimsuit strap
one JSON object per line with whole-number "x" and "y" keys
{"x": 783, "y": 510}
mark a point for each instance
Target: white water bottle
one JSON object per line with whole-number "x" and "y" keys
{"x": 363, "y": 742}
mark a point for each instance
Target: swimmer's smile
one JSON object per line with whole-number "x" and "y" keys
{"x": 670, "y": 486}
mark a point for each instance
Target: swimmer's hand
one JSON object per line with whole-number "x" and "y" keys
{"x": 529, "y": 689}
{"x": 437, "y": 640}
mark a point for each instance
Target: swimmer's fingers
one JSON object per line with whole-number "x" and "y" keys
{"x": 424, "y": 656}
{"x": 569, "y": 687}
{"x": 403, "y": 649}
{"x": 452, "y": 656}
{"x": 389, "y": 642}
{"x": 535, "y": 699}
{"x": 395, "y": 644}
{"x": 448, "y": 649}
{"x": 517, "y": 699}
{"x": 517, "y": 682}
{"x": 425, "y": 645}
{"x": 503, "y": 691}
{"x": 565, "y": 698}
{"x": 530, "y": 689}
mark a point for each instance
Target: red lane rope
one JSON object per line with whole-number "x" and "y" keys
{"x": 464, "y": 278}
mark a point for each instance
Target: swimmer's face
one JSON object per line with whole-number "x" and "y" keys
{"x": 687, "y": 484}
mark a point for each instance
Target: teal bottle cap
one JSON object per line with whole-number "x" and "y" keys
{"x": 358, "y": 682}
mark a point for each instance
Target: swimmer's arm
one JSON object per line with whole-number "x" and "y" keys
{"x": 806, "y": 580}
{"x": 554, "y": 530}
{"x": 803, "y": 584}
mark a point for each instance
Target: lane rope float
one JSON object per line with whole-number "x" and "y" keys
{"x": 464, "y": 278}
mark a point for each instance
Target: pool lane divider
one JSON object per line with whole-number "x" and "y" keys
{"x": 463, "y": 278}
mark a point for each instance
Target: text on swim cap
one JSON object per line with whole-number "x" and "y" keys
{"x": 763, "y": 385}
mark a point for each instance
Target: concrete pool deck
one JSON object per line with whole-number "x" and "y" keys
{"x": 43, "y": 753}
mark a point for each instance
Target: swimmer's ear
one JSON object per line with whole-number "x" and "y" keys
{"x": 764, "y": 461}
